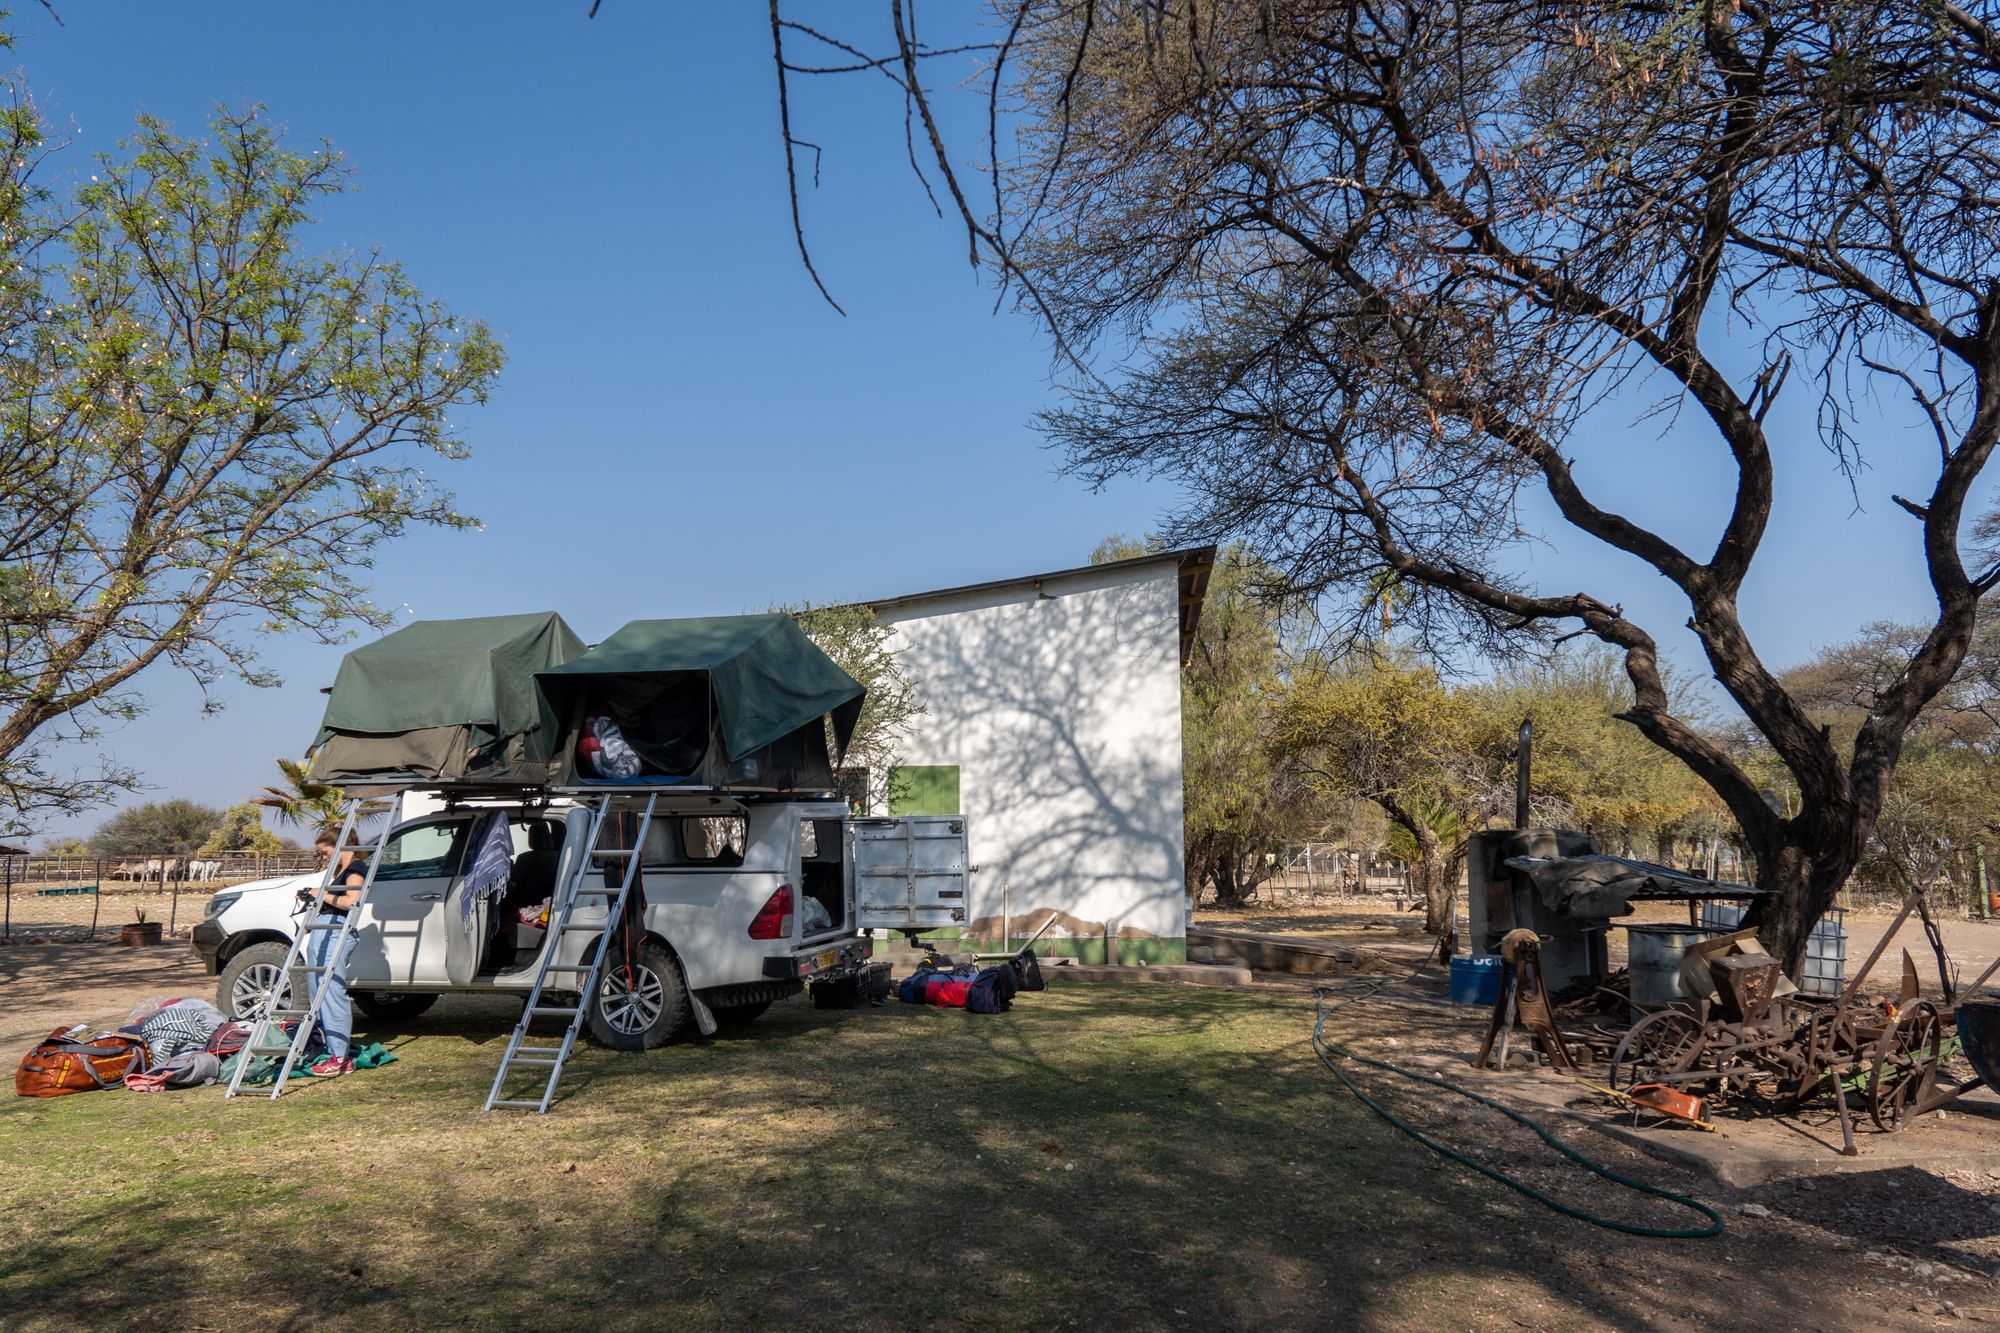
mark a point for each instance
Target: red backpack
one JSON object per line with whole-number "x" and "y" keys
{"x": 62, "y": 1065}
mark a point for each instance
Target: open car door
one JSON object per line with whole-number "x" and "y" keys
{"x": 400, "y": 939}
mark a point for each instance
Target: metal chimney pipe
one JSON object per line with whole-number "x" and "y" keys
{"x": 1523, "y": 752}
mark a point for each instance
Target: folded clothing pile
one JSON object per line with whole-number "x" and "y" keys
{"x": 170, "y": 1025}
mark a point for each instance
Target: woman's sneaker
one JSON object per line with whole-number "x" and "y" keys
{"x": 330, "y": 1066}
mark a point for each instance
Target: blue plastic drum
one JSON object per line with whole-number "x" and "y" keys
{"x": 1476, "y": 980}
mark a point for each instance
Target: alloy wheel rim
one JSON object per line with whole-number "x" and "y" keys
{"x": 253, "y": 988}
{"x": 631, "y": 1007}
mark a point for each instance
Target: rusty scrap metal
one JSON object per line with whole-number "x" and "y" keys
{"x": 1781, "y": 1052}
{"x": 1746, "y": 984}
{"x": 1653, "y": 1097}
{"x": 1523, "y": 1003}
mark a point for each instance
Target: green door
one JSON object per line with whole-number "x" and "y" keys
{"x": 924, "y": 789}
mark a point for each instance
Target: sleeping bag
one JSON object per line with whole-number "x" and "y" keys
{"x": 983, "y": 991}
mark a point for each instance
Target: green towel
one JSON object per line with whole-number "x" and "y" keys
{"x": 372, "y": 1056}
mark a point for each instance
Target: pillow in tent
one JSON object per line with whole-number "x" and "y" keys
{"x": 603, "y": 750}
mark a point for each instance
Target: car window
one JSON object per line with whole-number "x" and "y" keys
{"x": 697, "y": 841}
{"x": 424, "y": 851}
{"x": 714, "y": 840}
{"x": 821, "y": 839}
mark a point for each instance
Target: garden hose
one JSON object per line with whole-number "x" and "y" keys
{"x": 1331, "y": 1054}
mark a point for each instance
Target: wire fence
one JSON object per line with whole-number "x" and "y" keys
{"x": 83, "y": 897}
{"x": 1337, "y": 872}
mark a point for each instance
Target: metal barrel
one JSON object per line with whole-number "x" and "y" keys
{"x": 1653, "y": 957}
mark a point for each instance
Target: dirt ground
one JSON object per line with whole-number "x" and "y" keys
{"x": 1927, "y": 1198}
{"x": 1375, "y": 922}
{"x": 45, "y": 985}
{"x": 1907, "y": 1232}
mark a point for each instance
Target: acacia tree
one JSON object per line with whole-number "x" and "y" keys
{"x": 860, "y": 645}
{"x": 242, "y": 830}
{"x": 1385, "y": 728}
{"x": 156, "y": 826}
{"x": 1942, "y": 810}
{"x": 205, "y": 430}
{"x": 1592, "y": 771}
{"x": 1357, "y": 271}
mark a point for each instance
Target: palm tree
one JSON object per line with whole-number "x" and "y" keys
{"x": 301, "y": 802}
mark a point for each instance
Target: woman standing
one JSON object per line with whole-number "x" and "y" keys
{"x": 336, "y": 1012}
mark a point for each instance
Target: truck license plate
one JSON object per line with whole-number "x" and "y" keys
{"x": 827, "y": 958}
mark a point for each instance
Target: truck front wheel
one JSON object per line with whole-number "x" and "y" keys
{"x": 639, "y": 1005}
{"x": 249, "y": 977}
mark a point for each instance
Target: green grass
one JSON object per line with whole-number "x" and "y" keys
{"x": 1104, "y": 1155}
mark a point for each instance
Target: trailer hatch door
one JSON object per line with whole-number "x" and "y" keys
{"x": 910, "y": 872}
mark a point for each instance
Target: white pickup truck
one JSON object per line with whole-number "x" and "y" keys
{"x": 747, "y": 901}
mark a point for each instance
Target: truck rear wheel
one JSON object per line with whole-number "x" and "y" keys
{"x": 640, "y": 1006}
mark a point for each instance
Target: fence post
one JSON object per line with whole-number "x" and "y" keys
{"x": 7, "y": 924}
{"x": 96, "y": 899}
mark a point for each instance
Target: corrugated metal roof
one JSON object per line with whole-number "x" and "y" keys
{"x": 1195, "y": 563}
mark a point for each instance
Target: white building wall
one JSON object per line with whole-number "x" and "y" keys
{"x": 1061, "y": 706}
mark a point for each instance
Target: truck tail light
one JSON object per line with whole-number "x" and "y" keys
{"x": 774, "y": 919}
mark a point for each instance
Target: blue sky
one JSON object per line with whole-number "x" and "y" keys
{"x": 684, "y": 427}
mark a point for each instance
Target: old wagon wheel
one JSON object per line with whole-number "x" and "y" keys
{"x": 1904, "y": 1071}
{"x": 1671, "y": 1041}
{"x": 1816, "y": 1048}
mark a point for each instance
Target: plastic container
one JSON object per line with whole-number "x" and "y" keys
{"x": 1653, "y": 957}
{"x": 1826, "y": 948}
{"x": 1476, "y": 980}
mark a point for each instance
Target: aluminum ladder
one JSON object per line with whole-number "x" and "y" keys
{"x": 282, "y": 1002}
{"x": 552, "y": 1058}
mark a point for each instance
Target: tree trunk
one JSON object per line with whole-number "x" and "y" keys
{"x": 1429, "y": 880}
{"x": 1232, "y": 886}
{"x": 1800, "y": 882}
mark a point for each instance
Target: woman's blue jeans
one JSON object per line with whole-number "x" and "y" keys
{"x": 336, "y": 1012}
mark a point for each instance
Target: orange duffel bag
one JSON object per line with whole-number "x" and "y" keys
{"x": 62, "y": 1064}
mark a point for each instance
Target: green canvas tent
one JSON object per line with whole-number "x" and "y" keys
{"x": 728, "y": 702}
{"x": 445, "y": 702}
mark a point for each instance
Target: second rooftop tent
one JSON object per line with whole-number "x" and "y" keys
{"x": 726, "y": 703}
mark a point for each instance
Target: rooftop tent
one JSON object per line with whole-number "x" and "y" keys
{"x": 445, "y": 701}
{"x": 729, "y": 702}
